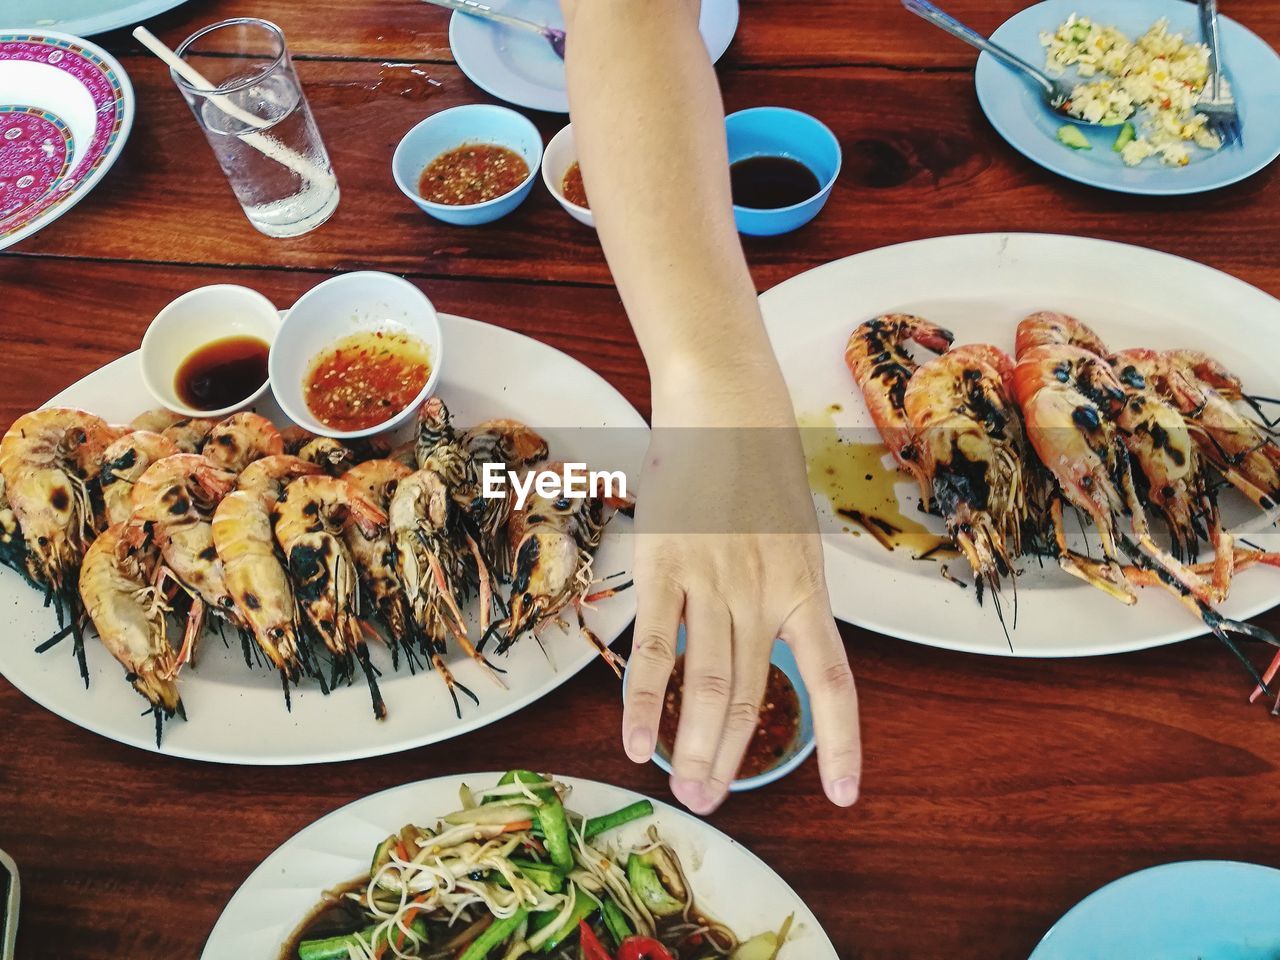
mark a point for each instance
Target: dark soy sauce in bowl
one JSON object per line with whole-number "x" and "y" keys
{"x": 768, "y": 183}
{"x": 222, "y": 373}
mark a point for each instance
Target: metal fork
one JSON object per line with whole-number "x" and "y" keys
{"x": 553, "y": 35}
{"x": 1216, "y": 101}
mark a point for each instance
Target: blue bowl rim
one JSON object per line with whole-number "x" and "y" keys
{"x": 802, "y": 753}
{"x": 826, "y": 187}
{"x": 527, "y": 182}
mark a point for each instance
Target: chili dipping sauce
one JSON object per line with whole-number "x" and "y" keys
{"x": 572, "y": 186}
{"x": 472, "y": 173}
{"x": 366, "y": 378}
{"x": 776, "y": 730}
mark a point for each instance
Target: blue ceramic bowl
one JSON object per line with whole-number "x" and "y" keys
{"x": 452, "y": 128}
{"x": 780, "y": 132}
{"x": 784, "y": 660}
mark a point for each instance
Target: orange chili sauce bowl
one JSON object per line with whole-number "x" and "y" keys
{"x": 478, "y": 123}
{"x": 560, "y": 155}
{"x": 348, "y": 304}
{"x": 804, "y": 744}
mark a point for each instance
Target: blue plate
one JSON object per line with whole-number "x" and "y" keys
{"x": 1197, "y": 910}
{"x": 520, "y": 67}
{"x": 1014, "y": 108}
{"x": 83, "y": 18}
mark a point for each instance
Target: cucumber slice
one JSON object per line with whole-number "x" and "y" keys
{"x": 1124, "y": 138}
{"x": 1070, "y": 136}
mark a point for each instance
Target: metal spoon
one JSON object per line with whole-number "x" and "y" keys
{"x": 553, "y": 35}
{"x": 1056, "y": 92}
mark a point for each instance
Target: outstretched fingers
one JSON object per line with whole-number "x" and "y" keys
{"x": 820, "y": 654}
{"x": 660, "y": 602}
{"x": 704, "y": 701}
{"x": 752, "y": 647}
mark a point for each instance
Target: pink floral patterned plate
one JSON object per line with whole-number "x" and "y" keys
{"x": 66, "y": 108}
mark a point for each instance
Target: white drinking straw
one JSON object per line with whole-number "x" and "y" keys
{"x": 267, "y": 145}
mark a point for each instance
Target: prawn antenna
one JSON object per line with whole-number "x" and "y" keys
{"x": 1256, "y": 402}
{"x": 54, "y": 640}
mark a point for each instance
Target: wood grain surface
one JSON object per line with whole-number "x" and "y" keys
{"x": 997, "y": 792}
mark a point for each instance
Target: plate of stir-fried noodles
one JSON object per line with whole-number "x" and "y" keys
{"x": 520, "y": 864}
{"x": 464, "y": 653}
{"x": 1052, "y": 446}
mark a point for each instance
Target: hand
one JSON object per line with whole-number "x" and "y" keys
{"x": 727, "y": 541}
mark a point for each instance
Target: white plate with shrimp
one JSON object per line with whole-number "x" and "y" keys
{"x": 979, "y": 286}
{"x": 237, "y": 714}
{"x": 731, "y": 884}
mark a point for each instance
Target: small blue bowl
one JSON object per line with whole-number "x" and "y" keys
{"x": 452, "y": 128}
{"x": 781, "y": 657}
{"x": 780, "y": 132}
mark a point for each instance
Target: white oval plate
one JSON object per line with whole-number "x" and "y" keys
{"x": 734, "y": 885}
{"x": 520, "y": 67}
{"x": 237, "y": 715}
{"x": 980, "y": 286}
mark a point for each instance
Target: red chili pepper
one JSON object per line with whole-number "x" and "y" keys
{"x": 592, "y": 948}
{"x": 643, "y": 948}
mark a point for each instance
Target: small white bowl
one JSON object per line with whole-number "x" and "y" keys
{"x": 337, "y": 308}
{"x": 557, "y": 158}
{"x": 197, "y": 318}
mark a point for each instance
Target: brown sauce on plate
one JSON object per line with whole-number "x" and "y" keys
{"x": 776, "y": 730}
{"x": 472, "y": 173}
{"x": 860, "y": 488}
{"x": 366, "y": 379}
{"x": 768, "y": 183}
{"x": 222, "y": 373}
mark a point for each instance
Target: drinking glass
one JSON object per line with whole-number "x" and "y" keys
{"x": 256, "y": 118}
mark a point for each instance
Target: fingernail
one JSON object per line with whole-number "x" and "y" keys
{"x": 640, "y": 745}
{"x": 845, "y": 791}
{"x": 695, "y": 795}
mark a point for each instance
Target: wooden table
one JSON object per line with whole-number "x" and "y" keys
{"x": 997, "y": 793}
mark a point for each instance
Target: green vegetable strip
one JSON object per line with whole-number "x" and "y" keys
{"x": 611, "y": 821}
{"x": 527, "y": 777}
{"x": 336, "y": 948}
{"x": 583, "y": 907}
{"x": 493, "y": 936}
{"x": 555, "y": 834}
{"x": 545, "y": 875}
{"x": 615, "y": 920}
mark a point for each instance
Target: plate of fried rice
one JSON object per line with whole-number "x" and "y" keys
{"x": 1138, "y": 69}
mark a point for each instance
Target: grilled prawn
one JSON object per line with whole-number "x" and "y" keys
{"x": 1170, "y": 475}
{"x": 1242, "y": 450}
{"x": 512, "y": 445}
{"x": 123, "y": 462}
{"x": 553, "y": 542}
{"x": 881, "y": 366}
{"x": 241, "y": 438}
{"x": 173, "y": 504}
{"x": 188, "y": 433}
{"x": 128, "y": 612}
{"x": 374, "y": 553}
{"x": 46, "y": 461}
{"x": 969, "y": 445}
{"x": 255, "y": 575}
{"x": 309, "y": 519}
